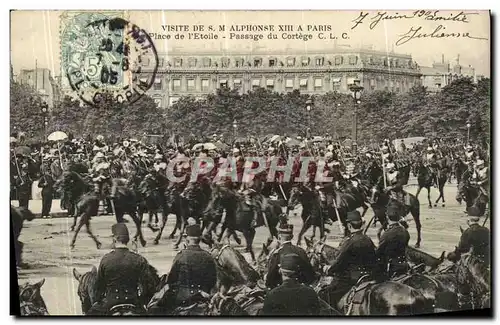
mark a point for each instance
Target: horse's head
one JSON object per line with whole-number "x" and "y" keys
{"x": 262, "y": 260}
{"x": 374, "y": 194}
{"x": 86, "y": 288}
{"x": 319, "y": 253}
{"x": 294, "y": 199}
{"x": 234, "y": 263}
{"x": 31, "y": 299}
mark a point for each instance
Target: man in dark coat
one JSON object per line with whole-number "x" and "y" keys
{"x": 46, "y": 183}
{"x": 355, "y": 259}
{"x": 393, "y": 243}
{"x": 192, "y": 277}
{"x": 291, "y": 297}
{"x": 119, "y": 274}
{"x": 306, "y": 272}
{"x": 475, "y": 239}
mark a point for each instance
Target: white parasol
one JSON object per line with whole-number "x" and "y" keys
{"x": 58, "y": 136}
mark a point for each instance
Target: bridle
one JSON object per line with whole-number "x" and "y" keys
{"x": 218, "y": 255}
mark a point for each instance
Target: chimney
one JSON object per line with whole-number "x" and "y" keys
{"x": 442, "y": 58}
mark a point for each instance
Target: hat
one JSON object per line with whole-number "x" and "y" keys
{"x": 354, "y": 216}
{"x": 120, "y": 230}
{"x": 158, "y": 156}
{"x": 474, "y": 213}
{"x": 290, "y": 262}
{"x": 286, "y": 229}
{"x": 390, "y": 165}
{"x": 99, "y": 155}
{"x": 469, "y": 148}
{"x": 193, "y": 229}
{"x": 236, "y": 150}
{"x": 393, "y": 211}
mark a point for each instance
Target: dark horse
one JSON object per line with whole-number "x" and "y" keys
{"x": 175, "y": 204}
{"x": 239, "y": 216}
{"x": 17, "y": 216}
{"x": 150, "y": 283}
{"x": 151, "y": 200}
{"x": 31, "y": 301}
{"x": 472, "y": 195}
{"x": 425, "y": 180}
{"x": 379, "y": 202}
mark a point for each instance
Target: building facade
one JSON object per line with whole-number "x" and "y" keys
{"x": 42, "y": 81}
{"x": 443, "y": 73}
{"x": 190, "y": 74}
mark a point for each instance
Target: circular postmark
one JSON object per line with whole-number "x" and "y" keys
{"x": 107, "y": 56}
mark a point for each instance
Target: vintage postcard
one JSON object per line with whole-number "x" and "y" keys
{"x": 250, "y": 163}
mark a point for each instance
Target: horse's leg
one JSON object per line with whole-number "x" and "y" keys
{"x": 419, "y": 188}
{"x": 415, "y": 212}
{"x": 305, "y": 226}
{"x": 176, "y": 226}
{"x": 89, "y": 231}
{"x": 249, "y": 236}
{"x": 75, "y": 216}
{"x": 138, "y": 224}
{"x": 162, "y": 226}
{"x": 429, "y": 197}
{"x": 441, "y": 192}
{"x": 182, "y": 229}
{"x": 314, "y": 232}
{"x": 77, "y": 230}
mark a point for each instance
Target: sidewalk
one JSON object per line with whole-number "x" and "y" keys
{"x": 36, "y": 207}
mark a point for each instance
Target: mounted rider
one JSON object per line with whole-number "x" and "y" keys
{"x": 430, "y": 161}
{"x": 395, "y": 183}
{"x": 480, "y": 176}
{"x": 391, "y": 251}
{"x": 330, "y": 192}
{"x": 355, "y": 259}
{"x": 100, "y": 173}
{"x": 470, "y": 154}
{"x": 119, "y": 275}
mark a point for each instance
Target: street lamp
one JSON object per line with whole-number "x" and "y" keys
{"x": 235, "y": 126}
{"x": 356, "y": 90}
{"x": 468, "y": 131}
{"x": 309, "y": 107}
{"x": 45, "y": 109}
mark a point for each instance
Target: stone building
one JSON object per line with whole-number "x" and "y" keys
{"x": 43, "y": 83}
{"x": 443, "y": 73}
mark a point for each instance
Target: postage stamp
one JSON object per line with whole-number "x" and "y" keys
{"x": 102, "y": 54}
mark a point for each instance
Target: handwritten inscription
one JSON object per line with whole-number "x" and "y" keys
{"x": 417, "y": 32}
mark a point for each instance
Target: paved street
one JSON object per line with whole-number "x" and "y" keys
{"x": 48, "y": 254}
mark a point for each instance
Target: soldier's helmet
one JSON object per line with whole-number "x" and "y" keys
{"x": 120, "y": 231}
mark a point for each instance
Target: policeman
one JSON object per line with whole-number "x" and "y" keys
{"x": 292, "y": 297}
{"x": 475, "y": 239}
{"x": 355, "y": 259}
{"x": 193, "y": 274}
{"x": 306, "y": 272}
{"x": 391, "y": 251}
{"x": 119, "y": 274}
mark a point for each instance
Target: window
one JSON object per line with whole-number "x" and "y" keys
{"x": 318, "y": 83}
{"x": 192, "y": 62}
{"x": 257, "y": 62}
{"x": 158, "y": 102}
{"x": 320, "y": 61}
{"x": 336, "y": 84}
{"x": 255, "y": 83}
{"x": 305, "y": 61}
{"x": 157, "y": 84}
{"x": 385, "y": 62}
{"x": 225, "y": 62}
{"x": 290, "y": 62}
{"x": 303, "y": 84}
{"x": 223, "y": 83}
{"x": 373, "y": 84}
{"x": 237, "y": 83}
{"x": 370, "y": 60}
{"x": 272, "y": 62}
{"x": 191, "y": 84}
{"x": 205, "y": 84}
{"x": 173, "y": 100}
{"x": 161, "y": 62}
{"x": 176, "y": 83}
{"x": 289, "y": 83}
{"x": 339, "y": 60}
{"x": 238, "y": 62}
{"x": 270, "y": 84}
{"x": 353, "y": 60}
{"x": 177, "y": 63}
{"x": 207, "y": 62}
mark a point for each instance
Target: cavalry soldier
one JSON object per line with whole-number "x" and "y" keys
{"x": 305, "y": 272}
{"x": 475, "y": 239}
{"x": 470, "y": 155}
{"x": 356, "y": 258}
{"x": 395, "y": 183}
{"x": 386, "y": 154}
{"x": 291, "y": 297}
{"x": 481, "y": 176}
{"x": 193, "y": 274}
{"x": 431, "y": 163}
{"x": 393, "y": 243}
{"x": 119, "y": 274}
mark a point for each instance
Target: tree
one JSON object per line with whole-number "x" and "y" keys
{"x": 26, "y": 110}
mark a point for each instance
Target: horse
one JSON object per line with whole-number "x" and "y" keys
{"x": 380, "y": 200}
{"x": 150, "y": 200}
{"x": 18, "y": 216}
{"x": 474, "y": 282}
{"x": 150, "y": 282}
{"x": 173, "y": 204}
{"x": 239, "y": 216}
{"x": 458, "y": 167}
{"x": 424, "y": 180}
{"x": 472, "y": 195}
{"x": 370, "y": 298}
{"x": 31, "y": 300}
{"x": 240, "y": 280}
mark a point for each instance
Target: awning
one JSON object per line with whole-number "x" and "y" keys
{"x": 303, "y": 82}
{"x": 270, "y": 82}
{"x": 256, "y": 82}
{"x": 318, "y": 82}
{"x": 336, "y": 80}
{"x": 237, "y": 81}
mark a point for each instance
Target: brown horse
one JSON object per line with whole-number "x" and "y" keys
{"x": 31, "y": 301}
{"x": 18, "y": 216}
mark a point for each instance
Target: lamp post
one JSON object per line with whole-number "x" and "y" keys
{"x": 468, "y": 131}
{"x": 309, "y": 107}
{"x": 45, "y": 109}
{"x": 335, "y": 117}
{"x": 235, "y": 127}
{"x": 356, "y": 90}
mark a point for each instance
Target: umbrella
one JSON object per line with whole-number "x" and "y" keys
{"x": 274, "y": 138}
{"x": 13, "y": 140}
{"x": 198, "y": 146}
{"x": 209, "y": 146}
{"x": 57, "y": 136}
{"x": 22, "y": 150}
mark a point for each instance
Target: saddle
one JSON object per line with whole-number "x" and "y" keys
{"x": 357, "y": 294}
{"x": 245, "y": 296}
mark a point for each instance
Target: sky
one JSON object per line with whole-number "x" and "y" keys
{"x": 35, "y": 35}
